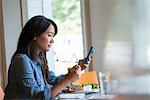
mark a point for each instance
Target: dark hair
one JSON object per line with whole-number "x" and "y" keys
{"x": 34, "y": 27}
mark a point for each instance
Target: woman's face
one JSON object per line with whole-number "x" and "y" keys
{"x": 45, "y": 40}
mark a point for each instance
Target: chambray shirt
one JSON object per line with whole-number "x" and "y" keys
{"x": 25, "y": 80}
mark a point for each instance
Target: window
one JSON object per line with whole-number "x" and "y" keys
{"x": 68, "y": 44}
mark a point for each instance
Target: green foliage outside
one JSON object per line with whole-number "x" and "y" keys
{"x": 67, "y": 14}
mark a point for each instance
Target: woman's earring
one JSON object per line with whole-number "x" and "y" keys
{"x": 34, "y": 38}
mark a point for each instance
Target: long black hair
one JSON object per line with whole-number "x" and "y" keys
{"x": 26, "y": 44}
{"x": 34, "y": 27}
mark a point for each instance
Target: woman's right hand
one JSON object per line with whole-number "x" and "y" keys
{"x": 73, "y": 74}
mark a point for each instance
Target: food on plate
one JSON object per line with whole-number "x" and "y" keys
{"x": 73, "y": 87}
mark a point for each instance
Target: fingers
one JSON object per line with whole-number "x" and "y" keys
{"x": 85, "y": 65}
{"x": 78, "y": 69}
{"x": 88, "y": 62}
{"x": 74, "y": 74}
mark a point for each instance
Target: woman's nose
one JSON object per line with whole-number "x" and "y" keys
{"x": 52, "y": 41}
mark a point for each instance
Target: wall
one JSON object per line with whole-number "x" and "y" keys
{"x": 2, "y": 47}
{"x": 120, "y": 34}
{"x": 11, "y": 18}
{"x": 12, "y": 26}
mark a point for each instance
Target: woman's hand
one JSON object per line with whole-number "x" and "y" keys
{"x": 73, "y": 73}
{"x": 69, "y": 78}
{"x": 83, "y": 64}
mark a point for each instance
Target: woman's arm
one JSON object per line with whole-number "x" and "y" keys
{"x": 69, "y": 78}
{"x": 53, "y": 79}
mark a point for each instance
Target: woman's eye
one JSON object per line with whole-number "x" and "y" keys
{"x": 50, "y": 35}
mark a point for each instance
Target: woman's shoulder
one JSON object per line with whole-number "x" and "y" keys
{"x": 21, "y": 56}
{"x": 21, "y": 60}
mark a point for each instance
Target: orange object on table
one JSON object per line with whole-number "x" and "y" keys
{"x": 88, "y": 78}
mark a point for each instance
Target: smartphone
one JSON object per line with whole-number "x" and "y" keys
{"x": 89, "y": 54}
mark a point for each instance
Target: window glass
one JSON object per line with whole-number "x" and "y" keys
{"x": 68, "y": 43}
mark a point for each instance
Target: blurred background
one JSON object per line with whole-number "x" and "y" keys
{"x": 119, "y": 30}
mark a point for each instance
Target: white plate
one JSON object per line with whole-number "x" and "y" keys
{"x": 71, "y": 95}
{"x": 87, "y": 92}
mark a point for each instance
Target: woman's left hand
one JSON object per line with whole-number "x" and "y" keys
{"x": 83, "y": 64}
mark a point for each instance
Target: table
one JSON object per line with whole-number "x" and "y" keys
{"x": 98, "y": 96}
{"x": 119, "y": 97}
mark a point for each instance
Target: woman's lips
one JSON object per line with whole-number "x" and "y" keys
{"x": 49, "y": 45}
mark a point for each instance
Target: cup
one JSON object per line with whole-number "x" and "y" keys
{"x": 104, "y": 78}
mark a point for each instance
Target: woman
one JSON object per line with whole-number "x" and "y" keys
{"x": 28, "y": 74}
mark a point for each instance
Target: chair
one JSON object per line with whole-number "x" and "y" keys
{"x": 1, "y": 94}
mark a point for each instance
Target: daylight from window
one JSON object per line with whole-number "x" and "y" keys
{"x": 68, "y": 45}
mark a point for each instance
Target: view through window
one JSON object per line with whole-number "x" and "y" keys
{"x": 68, "y": 43}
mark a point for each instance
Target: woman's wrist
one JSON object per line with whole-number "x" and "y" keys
{"x": 71, "y": 77}
{"x": 60, "y": 86}
{"x": 66, "y": 81}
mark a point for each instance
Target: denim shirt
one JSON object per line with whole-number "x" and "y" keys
{"x": 25, "y": 80}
